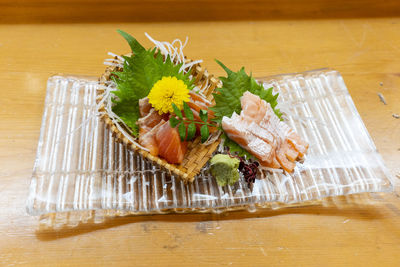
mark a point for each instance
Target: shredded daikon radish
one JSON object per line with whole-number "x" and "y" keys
{"x": 174, "y": 52}
{"x": 116, "y": 56}
{"x": 221, "y": 147}
{"x": 212, "y": 138}
{"x": 113, "y": 64}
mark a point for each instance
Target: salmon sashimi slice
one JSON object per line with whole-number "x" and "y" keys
{"x": 143, "y": 130}
{"x": 255, "y": 129}
{"x": 294, "y": 139}
{"x": 253, "y": 107}
{"x": 258, "y": 126}
{"x": 286, "y": 164}
{"x": 289, "y": 151}
{"x": 150, "y": 120}
{"x": 144, "y": 106}
{"x": 273, "y": 164}
{"x": 264, "y": 134}
{"x": 199, "y": 105}
{"x": 285, "y": 158}
{"x": 198, "y": 102}
{"x": 169, "y": 144}
{"x": 236, "y": 130}
{"x": 197, "y": 97}
{"x": 298, "y": 144}
{"x": 271, "y": 122}
{"x": 148, "y": 140}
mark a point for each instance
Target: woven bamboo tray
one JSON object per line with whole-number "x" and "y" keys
{"x": 197, "y": 154}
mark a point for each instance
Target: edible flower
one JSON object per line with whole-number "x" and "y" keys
{"x": 166, "y": 91}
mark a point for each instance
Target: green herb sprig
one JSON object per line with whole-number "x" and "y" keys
{"x": 187, "y": 125}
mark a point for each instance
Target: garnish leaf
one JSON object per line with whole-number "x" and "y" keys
{"x": 203, "y": 115}
{"x": 133, "y": 43}
{"x": 173, "y": 122}
{"x": 140, "y": 72}
{"x": 182, "y": 131}
{"x": 204, "y": 132}
{"x": 188, "y": 111}
{"x": 191, "y": 131}
{"x": 129, "y": 114}
{"x": 177, "y": 111}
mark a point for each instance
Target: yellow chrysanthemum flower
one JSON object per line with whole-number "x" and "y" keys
{"x": 166, "y": 91}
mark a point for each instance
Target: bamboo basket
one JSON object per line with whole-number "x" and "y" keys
{"x": 196, "y": 155}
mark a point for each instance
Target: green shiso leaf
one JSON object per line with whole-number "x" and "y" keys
{"x": 227, "y": 100}
{"x": 128, "y": 113}
{"x": 140, "y": 72}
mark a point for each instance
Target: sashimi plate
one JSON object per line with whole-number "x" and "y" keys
{"x": 80, "y": 167}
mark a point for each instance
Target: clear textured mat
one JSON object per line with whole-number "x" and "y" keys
{"x": 79, "y": 166}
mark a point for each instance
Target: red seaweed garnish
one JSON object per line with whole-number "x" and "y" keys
{"x": 249, "y": 170}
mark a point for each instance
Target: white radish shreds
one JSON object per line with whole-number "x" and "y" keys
{"x": 112, "y": 64}
{"x": 221, "y": 147}
{"x": 115, "y": 61}
{"x": 115, "y": 56}
{"x": 175, "y": 51}
{"x": 212, "y": 138}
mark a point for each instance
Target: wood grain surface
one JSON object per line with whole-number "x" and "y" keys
{"x": 78, "y": 11}
{"x": 354, "y": 231}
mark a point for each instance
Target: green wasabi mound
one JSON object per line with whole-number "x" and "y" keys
{"x": 224, "y": 169}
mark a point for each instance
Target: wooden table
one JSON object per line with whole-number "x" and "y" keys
{"x": 355, "y": 231}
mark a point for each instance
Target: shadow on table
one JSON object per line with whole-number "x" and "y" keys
{"x": 358, "y": 207}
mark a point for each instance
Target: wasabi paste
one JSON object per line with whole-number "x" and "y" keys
{"x": 225, "y": 169}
